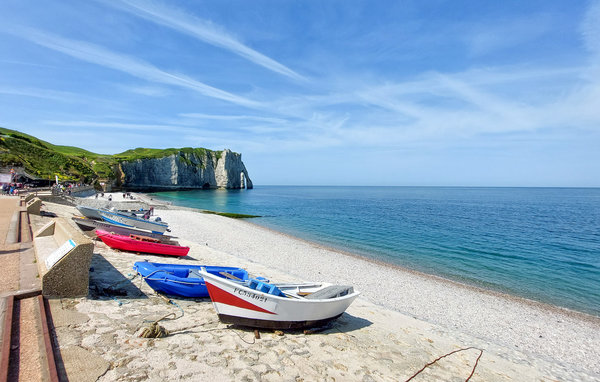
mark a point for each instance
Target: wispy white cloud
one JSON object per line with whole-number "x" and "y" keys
{"x": 590, "y": 28}
{"x": 590, "y": 33}
{"x": 444, "y": 109}
{"x": 122, "y": 126}
{"x": 503, "y": 34}
{"x": 39, "y": 93}
{"x": 62, "y": 97}
{"x": 172, "y": 126}
{"x": 513, "y": 115}
{"x": 201, "y": 29}
{"x": 232, "y": 117}
{"x": 431, "y": 108}
{"x": 35, "y": 64}
{"x": 151, "y": 91}
{"x": 135, "y": 67}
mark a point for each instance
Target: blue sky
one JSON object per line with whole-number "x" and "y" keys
{"x": 473, "y": 93}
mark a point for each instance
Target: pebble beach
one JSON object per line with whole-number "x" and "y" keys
{"x": 402, "y": 321}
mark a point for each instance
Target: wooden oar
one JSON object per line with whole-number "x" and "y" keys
{"x": 230, "y": 276}
{"x": 298, "y": 285}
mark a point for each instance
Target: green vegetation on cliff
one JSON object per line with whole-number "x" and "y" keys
{"x": 45, "y": 160}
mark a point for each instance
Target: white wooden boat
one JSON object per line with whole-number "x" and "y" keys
{"x": 87, "y": 224}
{"x": 133, "y": 221}
{"x": 94, "y": 213}
{"x": 277, "y": 306}
{"x": 89, "y": 212}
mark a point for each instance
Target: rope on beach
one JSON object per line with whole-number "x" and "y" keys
{"x": 242, "y": 338}
{"x": 182, "y": 312}
{"x": 107, "y": 291}
{"x": 119, "y": 301}
{"x": 154, "y": 330}
{"x": 158, "y": 270}
{"x": 170, "y": 280}
{"x": 176, "y": 281}
{"x": 169, "y": 301}
{"x": 446, "y": 355}
{"x": 130, "y": 278}
{"x": 228, "y": 327}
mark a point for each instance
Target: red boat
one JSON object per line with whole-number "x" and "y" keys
{"x": 137, "y": 243}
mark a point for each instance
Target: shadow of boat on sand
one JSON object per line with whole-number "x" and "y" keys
{"x": 106, "y": 282}
{"x": 345, "y": 323}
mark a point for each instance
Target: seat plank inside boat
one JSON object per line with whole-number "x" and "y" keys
{"x": 331, "y": 292}
{"x": 144, "y": 238}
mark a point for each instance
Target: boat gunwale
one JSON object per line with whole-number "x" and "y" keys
{"x": 145, "y": 246}
{"x": 166, "y": 281}
{"x": 93, "y": 224}
{"x": 285, "y": 299}
{"x": 181, "y": 266}
{"x": 135, "y": 218}
{"x": 127, "y": 239}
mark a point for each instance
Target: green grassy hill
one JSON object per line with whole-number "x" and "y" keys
{"x": 45, "y": 160}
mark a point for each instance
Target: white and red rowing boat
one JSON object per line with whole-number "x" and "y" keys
{"x": 277, "y": 306}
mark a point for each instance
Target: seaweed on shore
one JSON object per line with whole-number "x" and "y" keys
{"x": 231, "y": 215}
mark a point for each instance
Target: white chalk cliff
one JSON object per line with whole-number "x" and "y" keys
{"x": 186, "y": 170}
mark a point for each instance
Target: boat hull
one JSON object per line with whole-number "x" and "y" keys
{"x": 132, "y": 221}
{"x": 274, "y": 324}
{"x": 89, "y": 212}
{"x": 87, "y": 224}
{"x": 126, "y": 243}
{"x": 237, "y": 304}
{"x": 175, "y": 279}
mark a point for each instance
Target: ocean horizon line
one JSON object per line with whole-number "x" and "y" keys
{"x": 423, "y": 186}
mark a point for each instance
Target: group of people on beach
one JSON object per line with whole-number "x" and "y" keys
{"x": 10, "y": 189}
{"x": 126, "y": 195}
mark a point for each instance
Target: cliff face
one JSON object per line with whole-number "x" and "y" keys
{"x": 186, "y": 171}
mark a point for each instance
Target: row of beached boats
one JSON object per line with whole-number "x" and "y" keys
{"x": 237, "y": 297}
{"x": 130, "y": 230}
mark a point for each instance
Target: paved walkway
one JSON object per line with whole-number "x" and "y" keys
{"x": 18, "y": 273}
{"x": 8, "y": 206}
{"x": 9, "y": 251}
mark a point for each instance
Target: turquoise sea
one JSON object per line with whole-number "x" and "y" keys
{"x": 538, "y": 243}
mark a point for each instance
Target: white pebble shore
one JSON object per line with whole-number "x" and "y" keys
{"x": 561, "y": 337}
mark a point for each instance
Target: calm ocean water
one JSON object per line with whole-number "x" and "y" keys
{"x": 539, "y": 243}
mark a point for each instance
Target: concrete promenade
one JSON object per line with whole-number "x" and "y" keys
{"x": 9, "y": 255}
{"x": 18, "y": 275}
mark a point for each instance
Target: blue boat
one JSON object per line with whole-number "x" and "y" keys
{"x": 183, "y": 280}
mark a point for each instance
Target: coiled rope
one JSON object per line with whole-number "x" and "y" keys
{"x": 154, "y": 330}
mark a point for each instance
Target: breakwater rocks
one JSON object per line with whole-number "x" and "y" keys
{"x": 185, "y": 170}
